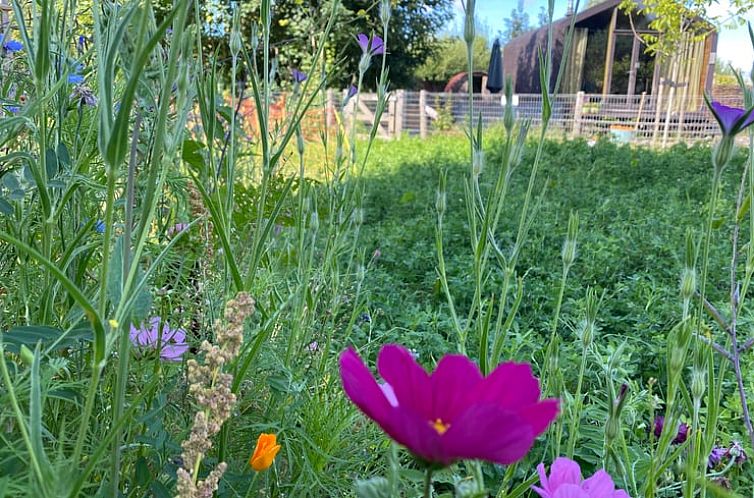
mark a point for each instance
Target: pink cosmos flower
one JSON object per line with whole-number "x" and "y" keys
{"x": 454, "y": 413}
{"x": 565, "y": 482}
{"x": 171, "y": 342}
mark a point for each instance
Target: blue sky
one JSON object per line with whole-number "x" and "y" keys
{"x": 733, "y": 44}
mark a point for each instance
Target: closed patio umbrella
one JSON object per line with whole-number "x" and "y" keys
{"x": 495, "y": 69}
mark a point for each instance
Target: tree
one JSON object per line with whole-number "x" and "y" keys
{"x": 543, "y": 18}
{"x": 450, "y": 59}
{"x": 517, "y": 24}
{"x": 296, "y": 26}
{"x": 677, "y": 19}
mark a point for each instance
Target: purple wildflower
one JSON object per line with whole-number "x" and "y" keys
{"x": 177, "y": 228}
{"x": 681, "y": 435}
{"x": 737, "y": 452}
{"x": 715, "y": 456}
{"x": 170, "y": 342}
{"x": 375, "y": 46}
{"x": 352, "y": 90}
{"x": 313, "y": 347}
{"x": 378, "y": 47}
{"x": 731, "y": 119}
{"x": 13, "y": 109}
{"x": 363, "y": 41}
{"x": 454, "y": 413}
{"x": 84, "y": 95}
{"x": 565, "y": 481}
{"x": 298, "y": 76}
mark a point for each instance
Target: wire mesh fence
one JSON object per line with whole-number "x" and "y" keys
{"x": 642, "y": 119}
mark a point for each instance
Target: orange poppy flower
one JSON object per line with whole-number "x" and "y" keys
{"x": 265, "y": 452}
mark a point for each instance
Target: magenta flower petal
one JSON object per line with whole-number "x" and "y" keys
{"x": 364, "y": 391}
{"x": 363, "y": 41}
{"x": 600, "y": 485}
{"x": 453, "y": 381}
{"x": 485, "y": 432}
{"x": 446, "y": 417}
{"x": 410, "y": 382}
{"x": 539, "y": 415}
{"x": 620, "y": 494}
{"x": 511, "y": 385}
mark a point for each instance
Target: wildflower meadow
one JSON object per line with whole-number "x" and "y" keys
{"x": 216, "y": 281}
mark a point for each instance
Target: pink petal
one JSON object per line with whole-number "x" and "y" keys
{"x": 600, "y": 485}
{"x": 570, "y": 491}
{"x": 512, "y": 385}
{"x": 540, "y": 415}
{"x": 173, "y": 352}
{"x": 564, "y": 471}
{"x": 410, "y": 382}
{"x": 362, "y": 389}
{"x": 452, "y": 382}
{"x": 485, "y": 432}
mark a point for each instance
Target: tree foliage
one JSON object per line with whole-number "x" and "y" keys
{"x": 677, "y": 19}
{"x": 516, "y": 24}
{"x": 296, "y": 25}
{"x": 450, "y": 59}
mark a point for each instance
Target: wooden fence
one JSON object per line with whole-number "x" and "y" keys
{"x": 641, "y": 119}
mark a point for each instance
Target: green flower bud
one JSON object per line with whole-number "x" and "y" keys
{"x": 688, "y": 283}
{"x": 698, "y": 384}
{"x": 440, "y": 202}
{"x": 723, "y": 152}
{"x": 26, "y": 355}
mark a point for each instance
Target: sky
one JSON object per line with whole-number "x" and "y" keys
{"x": 733, "y": 45}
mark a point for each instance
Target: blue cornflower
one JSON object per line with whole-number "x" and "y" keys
{"x": 13, "y": 46}
{"x": 13, "y": 109}
{"x": 99, "y": 226}
{"x": 75, "y": 79}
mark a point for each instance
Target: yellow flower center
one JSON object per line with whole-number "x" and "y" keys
{"x": 440, "y": 426}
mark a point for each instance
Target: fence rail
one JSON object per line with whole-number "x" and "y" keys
{"x": 644, "y": 119}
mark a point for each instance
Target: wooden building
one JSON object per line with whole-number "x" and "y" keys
{"x": 607, "y": 57}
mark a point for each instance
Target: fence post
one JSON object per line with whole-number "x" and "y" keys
{"x": 329, "y": 108}
{"x": 578, "y": 111}
{"x": 400, "y": 110}
{"x": 423, "y": 114}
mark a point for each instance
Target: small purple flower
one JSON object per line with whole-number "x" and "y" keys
{"x": 99, "y": 226}
{"x": 13, "y": 109}
{"x": 352, "y": 90}
{"x": 177, "y": 228}
{"x": 171, "y": 343}
{"x": 81, "y": 42}
{"x": 374, "y": 47}
{"x": 13, "y": 46}
{"x": 365, "y": 318}
{"x": 298, "y": 76}
{"x": 715, "y": 456}
{"x": 84, "y": 95}
{"x": 683, "y": 433}
{"x": 313, "y": 347}
{"x": 731, "y": 119}
{"x": 737, "y": 452}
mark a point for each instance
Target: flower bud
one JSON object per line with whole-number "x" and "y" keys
{"x": 299, "y": 141}
{"x": 688, "y": 283}
{"x": 698, "y": 384}
{"x": 568, "y": 254}
{"x": 385, "y": 12}
{"x": 478, "y": 162}
{"x": 509, "y": 120}
{"x": 723, "y": 152}
{"x": 358, "y": 216}
{"x": 611, "y": 428}
{"x": 314, "y": 221}
{"x": 26, "y": 355}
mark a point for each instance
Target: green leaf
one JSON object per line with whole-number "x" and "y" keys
{"x": 52, "y": 163}
{"x": 192, "y": 153}
{"x": 376, "y": 487}
{"x": 64, "y": 157}
{"x": 6, "y": 207}
{"x": 30, "y": 335}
